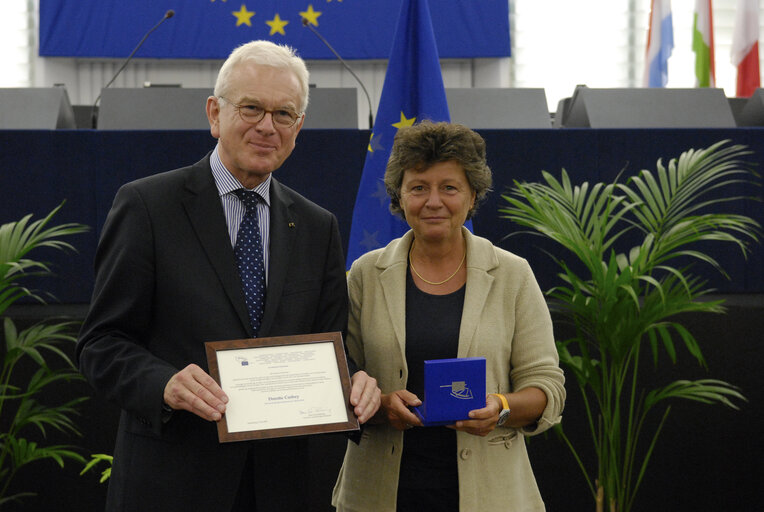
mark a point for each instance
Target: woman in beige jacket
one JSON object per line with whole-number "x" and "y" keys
{"x": 441, "y": 292}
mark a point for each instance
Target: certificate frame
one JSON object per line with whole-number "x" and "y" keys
{"x": 251, "y": 346}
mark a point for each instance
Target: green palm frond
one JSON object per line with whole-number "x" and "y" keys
{"x": 707, "y": 391}
{"x": 96, "y": 459}
{"x": 625, "y": 298}
{"x": 17, "y": 239}
{"x": 59, "y": 417}
{"x": 39, "y": 345}
{"x": 24, "y": 452}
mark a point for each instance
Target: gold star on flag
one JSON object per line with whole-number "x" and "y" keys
{"x": 404, "y": 122}
{"x": 277, "y": 25}
{"x": 374, "y": 144}
{"x": 243, "y": 16}
{"x": 310, "y": 15}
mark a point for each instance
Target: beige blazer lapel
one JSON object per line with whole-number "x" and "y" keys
{"x": 480, "y": 260}
{"x": 393, "y": 263}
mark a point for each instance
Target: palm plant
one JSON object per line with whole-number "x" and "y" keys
{"x": 96, "y": 459}
{"x": 23, "y": 414}
{"x": 622, "y": 303}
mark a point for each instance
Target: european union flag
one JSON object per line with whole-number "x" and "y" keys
{"x": 210, "y": 29}
{"x": 413, "y": 91}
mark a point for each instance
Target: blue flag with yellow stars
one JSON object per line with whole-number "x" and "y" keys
{"x": 211, "y": 29}
{"x": 413, "y": 91}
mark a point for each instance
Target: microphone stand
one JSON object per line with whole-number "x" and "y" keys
{"x": 368, "y": 98}
{"x": 94, "y": 113}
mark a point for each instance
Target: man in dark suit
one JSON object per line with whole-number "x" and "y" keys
{"x": 167, "y": 280}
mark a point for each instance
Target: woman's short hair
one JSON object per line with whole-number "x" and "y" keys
{"x": 265, "y": 53}
{"x": 418, "y": 147}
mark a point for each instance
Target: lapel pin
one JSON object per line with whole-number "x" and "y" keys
{"x": 291, "y": 224}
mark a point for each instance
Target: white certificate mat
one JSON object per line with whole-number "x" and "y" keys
{"x": 284, "y": 386}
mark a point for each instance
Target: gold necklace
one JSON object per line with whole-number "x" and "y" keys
{"x": 411, "y": 263}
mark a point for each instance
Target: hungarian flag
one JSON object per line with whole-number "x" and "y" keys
{"x": 660, "y": 42}
{"x": 703, "y": 44}
{"x": 745, "y": 47}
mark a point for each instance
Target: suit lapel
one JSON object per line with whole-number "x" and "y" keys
{"x": 283, "y": 233}
{"x": 205, "y": 212}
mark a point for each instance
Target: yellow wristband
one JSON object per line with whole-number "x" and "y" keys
{"x": 504, "y": 413}
{"x": 504, "y": 403}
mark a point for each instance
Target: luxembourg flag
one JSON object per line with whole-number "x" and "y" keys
{"x": 660, "y": 42}
{"x": 745, "y": 47}
{"x": 703, "y": 44}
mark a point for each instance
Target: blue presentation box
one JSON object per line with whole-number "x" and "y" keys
{"x": 452, "y": 388}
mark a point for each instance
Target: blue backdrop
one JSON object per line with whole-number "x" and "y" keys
{"x": 210, "y": 29}
{"x": 39, "y": 169}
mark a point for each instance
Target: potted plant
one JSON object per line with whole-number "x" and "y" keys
{"x": 26, "y": 418}
{"x": 622, "y": 301}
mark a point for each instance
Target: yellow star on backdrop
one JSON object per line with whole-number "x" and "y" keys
{"x": 404, "y": 122}
{"x": 243, "y": 16}
{"x": 311, "y": 15}
{"x": 277, "y": 25}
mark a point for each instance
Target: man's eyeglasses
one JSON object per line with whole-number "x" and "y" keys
{"x": 252, "y": 113}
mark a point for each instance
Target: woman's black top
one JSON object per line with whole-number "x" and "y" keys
{"x": 432, "y": 332}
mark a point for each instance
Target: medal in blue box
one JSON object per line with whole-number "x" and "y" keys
{"x": 452, "y": 388}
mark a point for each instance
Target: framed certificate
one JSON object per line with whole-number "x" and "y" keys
{"x": 282, "y": 386}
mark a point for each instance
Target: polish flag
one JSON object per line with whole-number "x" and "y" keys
{"x": 745, "y": 47}
{"x": 660, "y": 42}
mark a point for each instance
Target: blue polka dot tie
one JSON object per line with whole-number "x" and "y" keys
{"x": 249, "y": 258}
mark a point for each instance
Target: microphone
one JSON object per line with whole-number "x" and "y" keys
{"x": 305, "y": 23}
{"x": 94, "y": 114}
